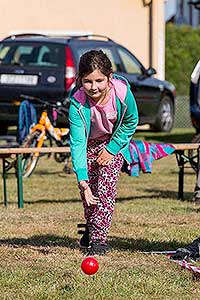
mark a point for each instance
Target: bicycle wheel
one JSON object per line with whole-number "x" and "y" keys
{"x": 29, "y": 161}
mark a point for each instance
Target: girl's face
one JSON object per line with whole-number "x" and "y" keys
{"x": 96, "y": 85}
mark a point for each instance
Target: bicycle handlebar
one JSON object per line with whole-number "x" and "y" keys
{"x": 60, "y": 108}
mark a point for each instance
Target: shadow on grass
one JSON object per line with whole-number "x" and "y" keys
{"x": 124, "y": 244}
{"x": 41, "y": 241}
{"x": 44, "y": 243}
{"x": 188, "y": 170}
{"x": 45, "y": 172}
{"x": 154, "y": 193}
{"x": 45, "y": 201}
{"x": 60, "y": 173}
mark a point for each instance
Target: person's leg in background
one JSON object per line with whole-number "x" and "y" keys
{"x": 196, "y": 195}
{"x": 192, "y": 250}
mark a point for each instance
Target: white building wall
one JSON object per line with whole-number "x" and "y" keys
{"x": 125, "y": 21}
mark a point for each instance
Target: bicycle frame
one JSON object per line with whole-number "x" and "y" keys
{"x": 39, "y": 132}
{"x": 44, "y": 125}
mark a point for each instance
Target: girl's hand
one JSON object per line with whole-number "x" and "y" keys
{"x": 85, "y": 189}
{"x": 104, "y": 157}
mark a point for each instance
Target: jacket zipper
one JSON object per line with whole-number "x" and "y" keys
{"x": 84, "y": 122}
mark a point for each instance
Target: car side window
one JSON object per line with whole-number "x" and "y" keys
{"x": 130, "y": 64}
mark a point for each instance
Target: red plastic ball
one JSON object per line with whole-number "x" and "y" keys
{"x": 89, "y": 265}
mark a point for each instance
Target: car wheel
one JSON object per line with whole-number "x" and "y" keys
{"x": 165, "y": 116}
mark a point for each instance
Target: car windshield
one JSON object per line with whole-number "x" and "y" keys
{"x": 31, "y": 54}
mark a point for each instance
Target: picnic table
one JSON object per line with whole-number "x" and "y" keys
{"x": 18, "y": 153}
{"x": 183, "y": 157}
{"x": 181, "y": 152}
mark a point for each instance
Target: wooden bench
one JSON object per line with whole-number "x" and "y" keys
{"x": 17, "y": 153}
{"x": 183, "y": 157}
{"x": 181, "y": 152}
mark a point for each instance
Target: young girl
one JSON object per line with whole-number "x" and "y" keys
{"x": 103, "y": 117}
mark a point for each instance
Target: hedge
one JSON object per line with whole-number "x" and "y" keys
{"x": 182, "y": 53}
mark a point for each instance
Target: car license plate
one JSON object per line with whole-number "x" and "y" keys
{"x": 19, "y": 79}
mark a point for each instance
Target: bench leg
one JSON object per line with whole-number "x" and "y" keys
{"x": 181, "y": 182}
{"x": 181, "y": 162}
{"x": 4, "y": 175}
{"x": 20, "y": 181}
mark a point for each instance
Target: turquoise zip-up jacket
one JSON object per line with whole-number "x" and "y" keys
{"x": 79, "y": 118}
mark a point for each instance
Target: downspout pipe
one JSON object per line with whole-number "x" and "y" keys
{"x": 150, "y": 6}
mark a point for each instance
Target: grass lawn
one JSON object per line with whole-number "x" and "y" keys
{"x": 39, "y": 254}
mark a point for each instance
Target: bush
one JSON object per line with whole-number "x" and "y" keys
{"x": 182, "y": 53}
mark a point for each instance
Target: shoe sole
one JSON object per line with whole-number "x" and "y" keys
{"x": 83, "y": 247}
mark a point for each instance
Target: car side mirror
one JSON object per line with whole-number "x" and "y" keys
{"x": 150, "y": 71}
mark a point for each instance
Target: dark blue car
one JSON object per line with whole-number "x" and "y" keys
{"x": 45, "y": 67}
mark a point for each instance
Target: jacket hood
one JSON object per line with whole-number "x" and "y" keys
{"x": 119, "y": 83}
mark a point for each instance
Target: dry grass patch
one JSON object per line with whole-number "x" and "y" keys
{"x": 39, "y": 254}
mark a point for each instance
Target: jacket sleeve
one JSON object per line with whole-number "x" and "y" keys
{"x": 78, "y": 143}
{"x": 126, "y": 127}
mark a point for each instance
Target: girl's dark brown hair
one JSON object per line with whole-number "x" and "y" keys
{"x": 92, "y": 60}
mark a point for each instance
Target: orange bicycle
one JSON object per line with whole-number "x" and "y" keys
{"x": 42, "y": 132}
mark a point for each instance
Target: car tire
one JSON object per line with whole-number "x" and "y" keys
{"x": 165, "y": 117}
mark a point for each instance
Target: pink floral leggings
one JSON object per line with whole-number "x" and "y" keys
{"x": 103, "y": 184}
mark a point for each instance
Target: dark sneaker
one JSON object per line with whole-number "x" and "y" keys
{"x": 196, "y": 200}
{"x": 67, "y": 170}
{"x": 191, "y": 251}
{"x": 98, "y": 249}
{"x": 181, "y": 254}
{"x": 85, "y": 239}
{"x": 194, "y": 248}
